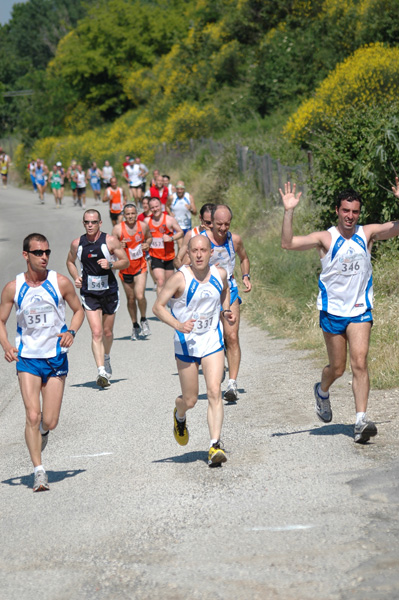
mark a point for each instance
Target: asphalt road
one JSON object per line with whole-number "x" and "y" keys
{"x": 298, "y": 511}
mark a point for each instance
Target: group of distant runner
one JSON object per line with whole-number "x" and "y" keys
{"x": 197, "y": 295}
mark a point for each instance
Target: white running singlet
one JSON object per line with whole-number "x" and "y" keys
{"x": 346, "y": 280}
{"x": 40, "y": 318}
{"x": 200, "y": 301}
{"x": 181, "y": 210}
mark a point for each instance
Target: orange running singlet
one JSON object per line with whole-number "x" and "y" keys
{"x": 115, "y": 200}
{"x": 159, "y": 248}
{"x": 133, "y": 250}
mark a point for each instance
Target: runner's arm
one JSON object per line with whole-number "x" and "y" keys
{"x": 173, "y": 287}
{"x": 7, "y": 301}
{"x": 147, "y": 237}
{"x": 68, "y": 293}
{"x": 193, "y": 208}
{"x": 182, "y": 256}
{"x": 244, "y": 261}
{"x": 226, "y": 312}
{"x": 172, "y": 224}
{"x": 115, "y": 247}
{"x": 71, "y": 264}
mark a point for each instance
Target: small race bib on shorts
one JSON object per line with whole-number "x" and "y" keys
{"x": 96, "y": 283}
{"x": 38, "y": 316}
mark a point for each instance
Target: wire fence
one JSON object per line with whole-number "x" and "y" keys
{"x": 269, "y": 174}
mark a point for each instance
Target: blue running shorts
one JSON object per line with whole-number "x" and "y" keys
{"x": 44, "y": 367}
{"x": 333, "y": 324}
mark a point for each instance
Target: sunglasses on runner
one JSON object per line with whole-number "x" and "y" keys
{"x": 39, "y": 252}
{"x": 206, "y": 222}
{"x": 92, "y": 222}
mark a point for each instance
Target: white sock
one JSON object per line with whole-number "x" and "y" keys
{"x": 231, "y": 381}
{"x": 213, "y": 442}
{"x": 180, "y": 419}
{"x": 42, "y": 431}
{"x": 360, "y": 416}
{"x": 99, "y": 369}
{"x": 39, "y": 468}
{"x": 322, "y": 394}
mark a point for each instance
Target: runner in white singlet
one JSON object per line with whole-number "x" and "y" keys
{"x": 41, "y": 344}
{"x": 198, "y": 295}
{"x": 345, "y": 297}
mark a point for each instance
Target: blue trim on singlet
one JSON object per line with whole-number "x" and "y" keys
{"x": 366, "y": 294}
{"x": 181, "y": 337}
{"x": 215, "y": 283}
{"x": 324, "y": 297}
{"x": 51, "y": 290}
{"x": 356, "y": 238}
{"x": 22, "y": 292}
{"x": 19, "y": 331}
{"x": 337, "y": 246}
{"x": 219, "y": 330}
{"x": 191, "y": 291}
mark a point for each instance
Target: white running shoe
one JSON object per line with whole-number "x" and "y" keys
{"x": 231, "y": 394}
{"x": 136, "y": 332}
{"x": 102, "y": 378}
{"x": 364, "y": 430}
{"x": 322, "y": 405}
{"x": 41, "y": 482}
{"x": 145, "y": 328}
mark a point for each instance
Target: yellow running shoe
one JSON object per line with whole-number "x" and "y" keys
{"x": 180, "y": 430}
{"x": 216, "y": 455}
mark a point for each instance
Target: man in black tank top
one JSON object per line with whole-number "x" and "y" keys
{"x": 99, "y": 254}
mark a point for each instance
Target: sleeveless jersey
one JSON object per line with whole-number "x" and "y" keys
{"x": 115, "y": 200}
{"x": 94, "y": 178}
{"x": 181, "y": 210}
{"x": 40, "y": 318}
{"x": 224, "y": 256}
{"x": 196, "y": 231}
{"x": 133, "y": 173}
{"x": 107, "y": 173}
{"x": 81, "y": 179}
{"x": 346, "y": 280}
{"x": 56, "y": 180}
{"x": 95, "y": 280}
{"x": 4, "y": 164}
{"x": 39, "y": 174}
{"x": 159, "y": 248}
{"x": 133, "y": 250}
{"x": 200, "y": 301}
{"x": 155, "y": 193}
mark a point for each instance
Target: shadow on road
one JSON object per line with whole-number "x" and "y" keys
{"x": 53, "y": 477}
{"x": 336, "y": 429}
{"x": 94, "y": 386}
{"x": 189, "y": 457}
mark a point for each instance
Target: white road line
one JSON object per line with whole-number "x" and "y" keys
{"x": 92, "y": 455}
{"x": 282, "y": 528}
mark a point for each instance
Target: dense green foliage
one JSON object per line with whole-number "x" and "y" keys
{"x": 89, "y": 61}
{"x": 360, "y": 149}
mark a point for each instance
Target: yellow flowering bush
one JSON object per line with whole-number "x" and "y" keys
{"x": 191, "y": 121}
{"x": 370, "y": 75}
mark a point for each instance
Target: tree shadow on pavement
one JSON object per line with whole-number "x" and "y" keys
{"x": 336, "y": 429}
{"x": 53, "y": 477}
{"x": 189, "y": 457}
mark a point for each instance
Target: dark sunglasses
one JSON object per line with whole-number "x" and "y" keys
{"x": 39, "y": 252}
{"x": 92, "y": 222}
{"x": 207, "y": 222}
